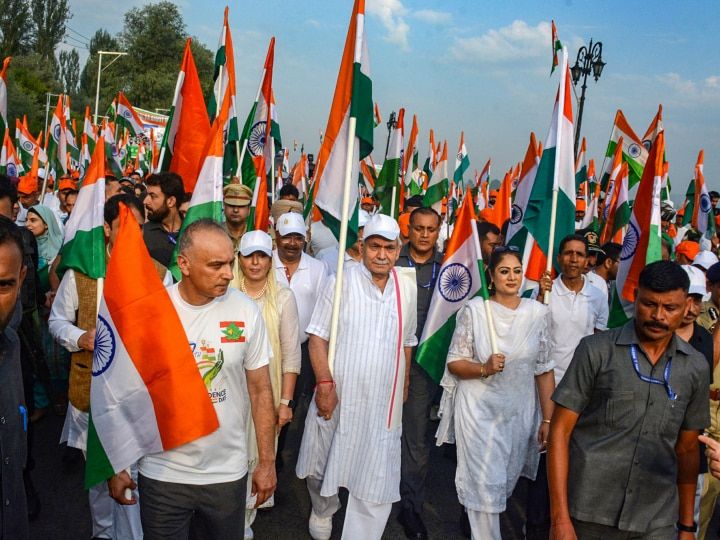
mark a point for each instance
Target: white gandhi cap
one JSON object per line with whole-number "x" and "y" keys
{"x": 382, "y": 225}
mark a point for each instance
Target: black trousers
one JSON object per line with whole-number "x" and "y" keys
{"x": 171, "y": 511}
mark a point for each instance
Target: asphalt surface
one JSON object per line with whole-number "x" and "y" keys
{"x": 64, "y": 513}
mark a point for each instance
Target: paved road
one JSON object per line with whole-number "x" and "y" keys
{"x": 64, "y": 516}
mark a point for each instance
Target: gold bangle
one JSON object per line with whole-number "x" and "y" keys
{"x": 546, "y": 421}
{"x": 483, "y": 375}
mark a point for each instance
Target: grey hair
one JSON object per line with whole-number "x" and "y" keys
{"x": 203, "y": 225}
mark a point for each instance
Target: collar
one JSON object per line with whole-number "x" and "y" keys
{"x": 368, "y": 276}
{"x": 302, "y": 265}
{"x": 562, "y": 289}
{"x": 628, "y": 336}
{"x": 437, "y": 256}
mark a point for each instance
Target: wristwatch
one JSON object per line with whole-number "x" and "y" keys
{"x": 288, "y": 403}
{"x": 687, "y": 528}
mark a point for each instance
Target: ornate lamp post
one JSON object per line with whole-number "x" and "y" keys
{"x": 589, "y": 60}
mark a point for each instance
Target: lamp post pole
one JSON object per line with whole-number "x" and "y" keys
{"x": 100, "y": 70}
{"x": 589, "y": 60}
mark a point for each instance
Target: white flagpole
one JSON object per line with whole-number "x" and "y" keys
{"x": 486, "y": 298}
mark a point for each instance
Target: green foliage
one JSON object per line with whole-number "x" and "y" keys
{"x": 15, "y": 27}
{"x": 30, "y": 77}
{"x": 111, "y": 78}
{"x": 69, "y": 71}
{"x": 50, "y": 18}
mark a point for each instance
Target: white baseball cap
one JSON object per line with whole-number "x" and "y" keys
{"x": 697, "y": 280}
{"x": 382, "y": 225}
{"x": 363, "y": 218}
{"x": 705, "y": 259}
{"x": 256, "y": 241}
{"x": 291, "y": 223}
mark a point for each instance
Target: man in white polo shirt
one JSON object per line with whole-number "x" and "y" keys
{"x": 305, "y": 276}
{"x": 577, "y": 309}
{"x": 200, "y": 486}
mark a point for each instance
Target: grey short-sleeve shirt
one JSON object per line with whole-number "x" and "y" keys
{"x": 623, "y": 469}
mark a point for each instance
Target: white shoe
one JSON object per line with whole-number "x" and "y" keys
{"x": 320, "y": 528}
{"x": 249, "y": 534}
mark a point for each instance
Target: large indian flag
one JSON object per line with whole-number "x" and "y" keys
{"x": 127, "y": 117}
{"x": 188, "y": 126}
{"x": 555, "y": 175}
{"x": 459, "y": 279}
{"x": 633, "y": 150}
{"x": 84, "y": 243}
{"x": 146, "y": 394}
{"x": 642, "y": 244}
{"x": 352, "y": 102}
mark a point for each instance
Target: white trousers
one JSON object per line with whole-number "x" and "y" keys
{"x": 484, "y": 526}
{"x": 113, "y": 520}
{"x": 363, "y": 520}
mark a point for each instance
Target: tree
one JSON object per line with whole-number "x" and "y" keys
{"x": 154, "y": 37}
{"x": 50, "y": 18}
{"x": 15, "y": 27}
{"x": 69, "y": 75}
{"x": 101, "y": 40}
{"x": 29, "y": 79}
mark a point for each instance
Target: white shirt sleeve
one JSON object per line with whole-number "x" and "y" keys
{"x": 603, "y": 311}
{"x": 410, "y": 325}
{"x": 257, "y": 353}
{"x": 320, "y": 320}
{"x": 63, "y": 314}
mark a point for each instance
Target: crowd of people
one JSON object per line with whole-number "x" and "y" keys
{"x": 603, "y": 424}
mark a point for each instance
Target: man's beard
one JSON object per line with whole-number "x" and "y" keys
{"x": 158, "y": 215}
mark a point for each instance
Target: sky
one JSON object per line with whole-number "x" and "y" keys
{"x": 473, "y": 65}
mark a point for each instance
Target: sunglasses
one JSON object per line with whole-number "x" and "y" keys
{"x": 503, "y": 249}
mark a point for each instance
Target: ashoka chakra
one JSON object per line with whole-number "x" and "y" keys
{"x": 454, "y": 282}
{"x": 256, "y": 140}
{"x": 632, "y": 237}
{"x": 105, "y": 345}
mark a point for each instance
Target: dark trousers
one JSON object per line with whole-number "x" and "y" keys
{"x": 415, "y": 444}
{"x": 171, "y": 511}
{"x": 538, "y": 504}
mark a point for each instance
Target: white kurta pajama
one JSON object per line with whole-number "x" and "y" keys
{"x": 359, "y": 447}
{"x": 495, "y": 421}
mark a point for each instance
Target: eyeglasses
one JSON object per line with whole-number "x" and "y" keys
{"x": 503, "y": 249}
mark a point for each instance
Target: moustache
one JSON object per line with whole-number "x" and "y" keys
{"x": 656, "y": 325}
{"x": 380, "y": 261}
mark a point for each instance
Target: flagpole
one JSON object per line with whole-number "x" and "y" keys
{"x": 485, "y": 294}
{"x": 392, "y": 202}
{"x": 244, "y": 146}
{"x": 342, "y": 243}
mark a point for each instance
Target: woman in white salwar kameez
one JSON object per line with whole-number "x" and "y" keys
{"x": 490, "y": 402}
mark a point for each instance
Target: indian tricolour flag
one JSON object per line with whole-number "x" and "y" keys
{"x": 207, "y": 199}
{"x": 10, "y": 164}
{"x": 4, "y": 95}
{"x": 459, "y": 279}
{"x": 702, "y": 215}
{"x": 259, "y": 217}
{"x": 642, "y": 244}
{"x": 84, "y": 243}
{"x": 146, "y": 394}
{"x": 188, "y": 126}
{"x": 112, "y": 150}
{"x": 633, "y": 150}
{"x": 352, "y": 104}
{"x": 57, "y": 141}
{"x": 482, "y": 181}
{"x": 581, "y": 167}
{"x": 439, "y": 184}
{"x": 387, "y": 187}
{"x": 127, "y": 117}
{"x": 257, "y": 138}
{"x": 26, "y": 144}
{"x": 618, "y": 209}
{"x": 591, "y": 212}
{"x": 555, "y": 175}
{"x": 462, "y": 163}
{"x": 410, "y": 162}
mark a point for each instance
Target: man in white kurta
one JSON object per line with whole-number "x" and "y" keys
{"x": 352, "y": 432}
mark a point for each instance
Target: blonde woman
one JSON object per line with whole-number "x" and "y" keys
{"x": 254, "y": 276}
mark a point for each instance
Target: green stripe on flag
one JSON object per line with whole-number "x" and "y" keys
{"x": 97, "y": 465}
{"x": 361, "y": 107}
{"x": 432, "y": 353}
{"x": 85, "y": 253}
{"x": 333, "y": 223}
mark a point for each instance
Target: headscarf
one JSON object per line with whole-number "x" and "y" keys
{"x": 50, "y": 241}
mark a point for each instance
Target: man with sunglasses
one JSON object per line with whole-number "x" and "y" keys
{"x": 623, "y": 456}
{"x": 422, "y": 254}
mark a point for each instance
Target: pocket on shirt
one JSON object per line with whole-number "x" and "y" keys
{"x": 620, "y": 409}
{"x": 673, "y": 417}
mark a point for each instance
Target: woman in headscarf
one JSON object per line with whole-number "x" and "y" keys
{"x": 44, "y": 226}
{"x": 255, "y": 276}
{"x": 489, "y": 405}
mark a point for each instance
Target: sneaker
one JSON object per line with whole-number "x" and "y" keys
{"x": 320, "y": 528}
{"x": 249, "y": 534}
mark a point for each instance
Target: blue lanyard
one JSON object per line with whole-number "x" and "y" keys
{"x": 430, "y": 283}
{"x": 666, "y": 374}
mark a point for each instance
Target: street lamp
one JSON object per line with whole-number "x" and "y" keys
{"x": 589, "y": 60}
{"x": 391, "y": 123}
{"x": 100, "y": 70}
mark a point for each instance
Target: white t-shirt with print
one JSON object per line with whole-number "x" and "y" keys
{"x": 227, "y": 337}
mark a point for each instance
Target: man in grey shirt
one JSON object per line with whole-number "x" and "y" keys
{"x": 623, "y": 455}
